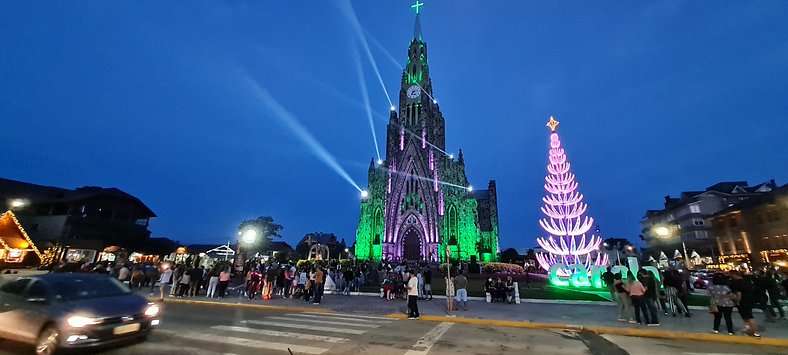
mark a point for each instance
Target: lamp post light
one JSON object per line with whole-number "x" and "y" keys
{"x": 249, "y": 236}
{"x": 664, "y": 233}
{"x": 18, "y": 203}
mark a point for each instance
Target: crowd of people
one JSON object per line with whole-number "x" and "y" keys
{"x": 640, "y": 296}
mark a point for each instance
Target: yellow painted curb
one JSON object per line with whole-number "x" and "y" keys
{"x": 245, "y": 305}
{"x": 645, "y": 333}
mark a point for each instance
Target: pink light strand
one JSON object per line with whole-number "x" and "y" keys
{"x": 565, "y": 220}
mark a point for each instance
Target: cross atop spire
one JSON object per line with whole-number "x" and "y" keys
{"x": 417, "y": 6}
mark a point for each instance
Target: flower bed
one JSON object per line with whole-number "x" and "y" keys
{"x": 502, "y": 268}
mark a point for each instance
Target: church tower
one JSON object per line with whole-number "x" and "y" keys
{"x": 419, "y": 202}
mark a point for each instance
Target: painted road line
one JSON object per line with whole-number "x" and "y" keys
{"x": 321, "y": 321}
{"x": 305, "y": 326}
{"x": 250, "y": 343}
{"x": 276, "y": 333}
{"x": 331, "y": 316}
{"x": 163, "y": 347}
{"x": 713, "y": 354}
{"x": 353, "y": 315}
{"x": 426, "y": 342}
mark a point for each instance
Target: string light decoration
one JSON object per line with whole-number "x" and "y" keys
{"x": 8, "y": 217}
{"x": 565, "y": 221}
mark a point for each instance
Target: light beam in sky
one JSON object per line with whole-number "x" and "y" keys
{"x": 292, "y": 122}
{"x": 363, "y": 85}
{"x": 347, "y": 10}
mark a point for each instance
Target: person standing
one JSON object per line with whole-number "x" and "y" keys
{"x": 349, "y": 276}
{"x": 164, "y": 281}
{"x": 773, "y": 289}
{"x": 609, "y": 278}
{"x": 420, "y": 278}
{"x": 461, "y": 287}
{"x": 744, "y": 297}
{"x": 651, "y": 296}
{"x": 124, "y": 274}
{"x": 413, "y": 296}
{"x": 722, "y": 300}
{"x": 213, "y": 283}
{"x": 428, "y": 283}
{"x": 183, "y": 285}
{"x": 319, "y": 276}
{"x": 224, "y": 281}
{"x": 623, "y": 300}
{"x": 637, "y": 294}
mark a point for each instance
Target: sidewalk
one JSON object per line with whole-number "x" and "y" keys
{"x": 567, "y": 315}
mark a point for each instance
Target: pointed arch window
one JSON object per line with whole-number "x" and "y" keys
{"x": 452, "y": 224}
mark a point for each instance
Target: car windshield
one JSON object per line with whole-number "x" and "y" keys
{"x": 79, "y": 288}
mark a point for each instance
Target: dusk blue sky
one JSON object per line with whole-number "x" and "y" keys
{"x": 181, "y": 103}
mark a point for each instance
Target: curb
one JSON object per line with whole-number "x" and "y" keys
{"x": 644, "y": 333}
{"x": 244, "y": 305}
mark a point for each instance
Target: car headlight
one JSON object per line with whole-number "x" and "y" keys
{"x": 80, "y": 321}
{"x": 152, "y": 310}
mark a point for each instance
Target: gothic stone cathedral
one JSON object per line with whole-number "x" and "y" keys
{"x": 418, "y": 202}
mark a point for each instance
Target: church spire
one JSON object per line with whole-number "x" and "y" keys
{"x": 417, "y": 29}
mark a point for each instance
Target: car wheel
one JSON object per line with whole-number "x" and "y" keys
{"x": 48, "y": 341}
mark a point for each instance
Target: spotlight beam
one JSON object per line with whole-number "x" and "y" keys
{"x": 347, "y": 10}
{"x": 383, "y": 49}
{"x": 362, "y": 83}
{"x": 422, "y": 178}
{"x": 292, "y": 122}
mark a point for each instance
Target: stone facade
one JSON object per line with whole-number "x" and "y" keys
{"x": 418, "y": 200}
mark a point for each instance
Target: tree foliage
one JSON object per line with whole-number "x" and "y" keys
{"x": 266, "y": 229}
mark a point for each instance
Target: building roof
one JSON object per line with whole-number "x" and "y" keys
{"x": 10, "y": 189}
{"x": 726, "y": 186}
{"x": 279, "y": 246}
{"x": 320, "y": 238}
{"x": 756, "y": 201}
{"x": 13, "y": 236}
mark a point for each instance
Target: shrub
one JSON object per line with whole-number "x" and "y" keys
{"x": 502, "y": 268}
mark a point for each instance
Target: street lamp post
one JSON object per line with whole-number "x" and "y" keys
{"x": 664, "y": 233}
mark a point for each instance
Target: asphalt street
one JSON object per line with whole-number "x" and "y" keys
{"x": 210, "y": 329}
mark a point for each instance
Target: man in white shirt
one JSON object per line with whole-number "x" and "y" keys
{"x": 164, "y": 280}
{"x": 413, "y": 296}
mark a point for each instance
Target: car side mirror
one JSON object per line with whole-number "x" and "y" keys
{"x": 37, "y": 300}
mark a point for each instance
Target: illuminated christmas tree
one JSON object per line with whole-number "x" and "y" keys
{"x": 565, "y": 221}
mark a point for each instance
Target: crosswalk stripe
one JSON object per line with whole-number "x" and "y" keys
{"x": 380, "y": 321}
{"x": 351, "y": 315}
{"x": 305, "y": 326}
{"x": 277, "y": 333}
{"x": 321, "y": 321}
{"x": 250, "y": 343}
{"x": 178, "y": 349}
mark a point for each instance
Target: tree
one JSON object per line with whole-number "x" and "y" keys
{"x": 509, "y": 255}
{"x": 266, "y": 230}
{"x": 530, "y": 254}
{"x": 566, "y": 222}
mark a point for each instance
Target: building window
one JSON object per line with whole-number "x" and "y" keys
{"x": 697, "y": 222}
{"x": 701, "y": 235}
{"x": 694, "y": 208}
{"x": 772, "y": 215}
{"x": 732, "y": 222}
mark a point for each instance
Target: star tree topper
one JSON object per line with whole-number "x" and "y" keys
{"x": 552, "y": 124}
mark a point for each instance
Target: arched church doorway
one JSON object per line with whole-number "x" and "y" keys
{"x": 412, "y": 245}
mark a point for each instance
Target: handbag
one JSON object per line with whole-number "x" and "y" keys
{"x": 713, "y": 308}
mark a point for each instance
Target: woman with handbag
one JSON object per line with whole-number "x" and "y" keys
{"x": 721, "y": 302}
